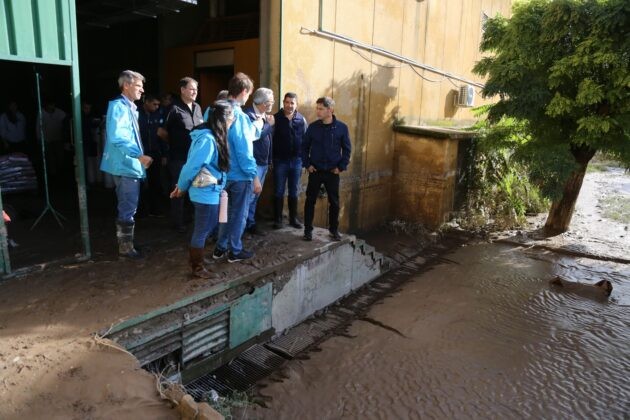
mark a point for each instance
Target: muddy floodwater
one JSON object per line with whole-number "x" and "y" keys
{"x": 481, "y": 336}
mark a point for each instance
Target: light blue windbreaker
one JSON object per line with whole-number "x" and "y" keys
{"x": 203, "y": 152}
{"x": 122, "y": 145}
{"x": 241, "y": 137}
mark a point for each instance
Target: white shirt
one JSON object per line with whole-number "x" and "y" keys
{"x": 52, "y": 125}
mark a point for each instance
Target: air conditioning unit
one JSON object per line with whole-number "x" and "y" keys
{"x": 465, "y": 97}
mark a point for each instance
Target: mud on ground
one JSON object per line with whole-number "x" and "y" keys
{"x": 51, "y": 364}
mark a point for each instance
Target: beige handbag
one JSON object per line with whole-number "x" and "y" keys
{"x": 204, "y": 178}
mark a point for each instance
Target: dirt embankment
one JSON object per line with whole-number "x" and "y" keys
{"x": 50, "y": 364}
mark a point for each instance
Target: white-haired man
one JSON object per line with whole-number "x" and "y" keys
{"x": 260, "y": 111}
{"x": 124, "y": 157}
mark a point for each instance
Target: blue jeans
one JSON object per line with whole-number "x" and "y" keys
{"x": 287, "y": 170}
{"x": 230, "y": 233}
{"x": 127, "y": 193}
{"x": 206, "y": 219}
{"x": 253, "y": 199}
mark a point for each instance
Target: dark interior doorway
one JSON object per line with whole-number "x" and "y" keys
{"x": 211, "y": 81}
{"x": 21, "y": 166}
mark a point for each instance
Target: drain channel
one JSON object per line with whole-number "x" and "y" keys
{"x": 260, "y": 360}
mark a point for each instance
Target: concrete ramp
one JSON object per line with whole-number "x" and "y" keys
{"x": 201, "y": 332}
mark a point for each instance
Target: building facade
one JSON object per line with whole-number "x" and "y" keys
{"x": 386, "y": 63}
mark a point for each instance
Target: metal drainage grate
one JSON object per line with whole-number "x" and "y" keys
{"x": 297, "y": 340}
{"x": 240, "y": 374}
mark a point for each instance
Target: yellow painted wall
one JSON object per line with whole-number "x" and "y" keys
{"x": 425, "y": 171}
{"x": 371, "y": 90}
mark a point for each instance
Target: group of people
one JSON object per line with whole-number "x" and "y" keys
{"x": 228, "y": 151}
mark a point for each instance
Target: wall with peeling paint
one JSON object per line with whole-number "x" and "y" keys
{"x": 372, "y": 91}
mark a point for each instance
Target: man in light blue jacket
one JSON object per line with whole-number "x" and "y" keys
{"x": 124, "y": 157}
{"x": 242, "y": 179}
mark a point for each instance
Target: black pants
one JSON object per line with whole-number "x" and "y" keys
{"x": 177, "y": 204}
{"x": 331, "y": 183}
{"x": 151, "y": 195}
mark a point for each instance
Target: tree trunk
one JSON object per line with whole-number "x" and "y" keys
{"x": 561, "y": 211}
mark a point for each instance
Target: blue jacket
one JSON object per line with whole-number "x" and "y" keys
{"x": 123, "y": 146}
{"x": 203, "y": 152}
{"x": 241, "y": 137}
{"x": 287, "y": 136}
{"x": 326, "y": 146}
{"x": 262, "y": 146}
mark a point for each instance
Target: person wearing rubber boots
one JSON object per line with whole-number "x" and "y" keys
{"x": 124, "y": 158}
{"x": 287, "y": 159}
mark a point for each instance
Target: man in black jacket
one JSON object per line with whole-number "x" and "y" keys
{"x": 325, "y": 153}
{"x": 184, "y": 114}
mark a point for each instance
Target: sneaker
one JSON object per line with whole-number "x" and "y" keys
{"x": 308, "y": 236}
{"x": 335, "y": 236}
{"x": 243, "y": 255}
{"x": 218, "y": 253}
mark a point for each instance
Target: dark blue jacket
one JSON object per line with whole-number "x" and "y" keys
{"x": 287, "y": 136}
{"x": 262, "y": 146}
{"x": 151, "y": 143}
{"x": 326, "y": 146}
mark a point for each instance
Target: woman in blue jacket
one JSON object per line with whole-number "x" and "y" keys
{"x": 209, "y": 151}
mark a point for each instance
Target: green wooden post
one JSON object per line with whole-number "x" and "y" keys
{"x": 4, "y": 242}
{"x": 78, "y": 135}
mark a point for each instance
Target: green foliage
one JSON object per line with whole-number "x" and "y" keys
{"x": 499, "y": 188}
{"x": 561, "y": 70}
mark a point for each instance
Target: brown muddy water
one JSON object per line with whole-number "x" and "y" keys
{"x": 481, "y": 337}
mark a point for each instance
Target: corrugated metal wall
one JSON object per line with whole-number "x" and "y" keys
{"x": 35, "y": 31}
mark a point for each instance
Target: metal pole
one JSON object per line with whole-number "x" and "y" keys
{"x": 385, "y": 53}
{"x": 49, "y": 206}
{"x": 280, "y": 91}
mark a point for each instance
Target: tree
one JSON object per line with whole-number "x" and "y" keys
{"x": 562, "y": 68}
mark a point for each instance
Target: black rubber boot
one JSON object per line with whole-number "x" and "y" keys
{"x": 124, "y": 233}
{"x": 278, "y": 203}
{"x": 293, "y": 220}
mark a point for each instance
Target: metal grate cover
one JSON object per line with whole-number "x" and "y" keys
{"x": 240, "y": 374}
